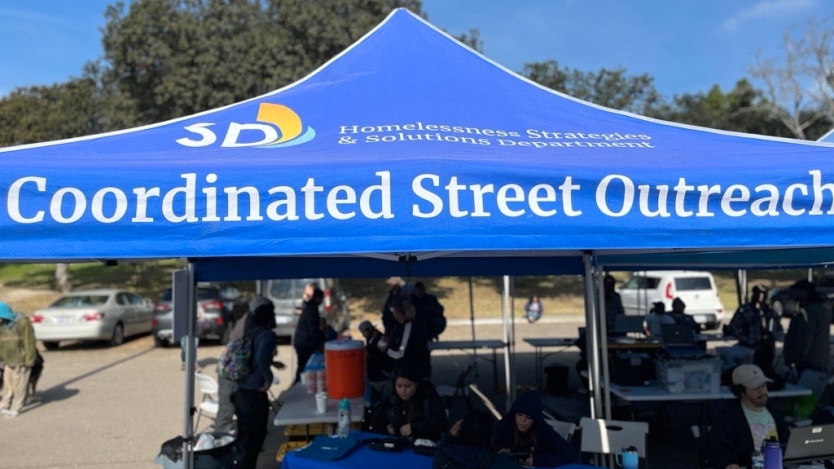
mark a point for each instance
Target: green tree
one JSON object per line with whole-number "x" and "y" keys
{"x": 612, "y": 88}
{"x": 178, "y": 57}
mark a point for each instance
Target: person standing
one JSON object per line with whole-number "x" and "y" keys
{"x": 18, "y": 353}
{"x": 409, "y": 346}
{"x": 398, "y": 291}
{"x": 224, "y": 419}
{"x": 613, "y": 305}
{"x": 309, "y": 333}
{"x": 806, "y": 343}
{"x": 429, "y": 312}
{"x": 756, "y": 326}
{"x": 741, "y": 425}
{"x": 250, "y": 398}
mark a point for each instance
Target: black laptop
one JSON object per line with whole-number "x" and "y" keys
{"x": 812, "y": 443}
{"x": 679, "y": 341}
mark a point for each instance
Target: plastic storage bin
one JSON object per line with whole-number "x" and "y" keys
{"x": 690, "y": 376}
{"x": 734, "y": 356}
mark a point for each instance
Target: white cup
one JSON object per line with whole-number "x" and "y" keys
{"x": 321, "y": 402}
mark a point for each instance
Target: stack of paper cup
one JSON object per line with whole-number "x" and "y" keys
{"x": 310, "y": 381}
{"x": 320, "y": 381}
{"x": 321, "y": 402}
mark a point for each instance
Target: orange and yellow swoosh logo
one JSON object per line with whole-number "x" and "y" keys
{"x": 288, "y": 122}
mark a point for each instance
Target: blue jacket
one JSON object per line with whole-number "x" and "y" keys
{"x": 263, "y": 350}
{"x": 549, "y": 450}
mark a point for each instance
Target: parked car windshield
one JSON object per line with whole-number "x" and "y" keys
{"x": 643, "y": 283}
{"x": 692, "y": 283}
{"x": 285, "y": 289}
{"x": 79, "y": 301}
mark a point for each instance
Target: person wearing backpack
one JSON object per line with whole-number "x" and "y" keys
{"x": 250, "y": 400}
{"x": 429, "y": 312}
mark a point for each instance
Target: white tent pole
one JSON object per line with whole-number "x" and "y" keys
{"x": 190, "y": 355}
{"x": 505, "y": 316}
{"x": 603, "y": 340}
{"x": 472, "y": 322}
{"x": 591, "y": 338}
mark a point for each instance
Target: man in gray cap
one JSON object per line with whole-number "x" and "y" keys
{"x": 741, "y": 425}
{"x": 18, "y": 353}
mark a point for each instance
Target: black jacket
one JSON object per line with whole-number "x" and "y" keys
{"x": 424, "y": 411}
{"x": 308, "y": 333}
{"x": 729, "y": 438}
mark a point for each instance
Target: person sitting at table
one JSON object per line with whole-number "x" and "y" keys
{"x": 468, "y": 444}
{"x": 681, "y": 318}
{"x": 656, "y": 318}
{"x": 414, "y": 410}
{"x": 741, "y": 425}
{"x": 408, "y": 345}
{"x": 524, "y": 430}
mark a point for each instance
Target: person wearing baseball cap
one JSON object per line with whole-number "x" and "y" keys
{"x": 18, "y": 353}
{"x": 744, "y": 423}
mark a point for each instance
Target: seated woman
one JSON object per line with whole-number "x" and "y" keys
{"x": 415, "y": 409}
{"x": 523, "y": 430}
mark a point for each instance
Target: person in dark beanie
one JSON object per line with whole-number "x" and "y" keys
{"x": 524, "y": 430}
{"x": 250, "y": 399}
{"x": 468, "y": 443}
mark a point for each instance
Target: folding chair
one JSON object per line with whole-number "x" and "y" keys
{"x": 564, "y": 429}
{"x": 460, "y": 389}
{"x": 210, "y": 403}
{"x": 601, "y": 436}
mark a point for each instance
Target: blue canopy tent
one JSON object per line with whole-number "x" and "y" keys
{"x": 411, "y": 153}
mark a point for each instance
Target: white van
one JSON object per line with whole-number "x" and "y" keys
{"x": 696, "y": 289}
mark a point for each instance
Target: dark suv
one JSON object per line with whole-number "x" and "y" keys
{"x": 214, "y": 316}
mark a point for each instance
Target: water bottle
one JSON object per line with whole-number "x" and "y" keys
{"x": 757, "y": 460}
{"x": 343, "y": 430}
{"x": 772, "y": 454}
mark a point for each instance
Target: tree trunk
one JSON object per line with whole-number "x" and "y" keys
{"x": 62, "y": 277}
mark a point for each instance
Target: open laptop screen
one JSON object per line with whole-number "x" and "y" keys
{"x": 810, "y": 443}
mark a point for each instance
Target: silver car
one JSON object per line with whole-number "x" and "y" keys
{"x": 107, "y": 314}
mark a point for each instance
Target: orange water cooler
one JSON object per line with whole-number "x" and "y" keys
{"x": 344, "y": 367}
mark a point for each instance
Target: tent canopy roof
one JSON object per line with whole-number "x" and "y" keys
{"x": 410, "y": 143}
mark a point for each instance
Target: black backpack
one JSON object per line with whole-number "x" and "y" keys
{"x": 437, "y": 321}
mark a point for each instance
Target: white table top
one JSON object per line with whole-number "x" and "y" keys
{"x": 299, "y": 408}
{"x": 656, "y": 393}
{"x": 465, "y": 344}
{"x": 551, "y": 341}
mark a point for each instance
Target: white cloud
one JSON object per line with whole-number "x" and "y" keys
{"x": 766, "y": 9}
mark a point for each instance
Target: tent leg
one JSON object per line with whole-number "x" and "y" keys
{"x": 190, "y": 353}
{"x": 591, "y": 337}
{"x": 505, "y": 313}
{"x": 603, "y": 340}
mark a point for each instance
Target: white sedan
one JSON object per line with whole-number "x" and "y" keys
{"x": 107, "y": 314}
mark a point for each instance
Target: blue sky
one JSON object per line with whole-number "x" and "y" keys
{"x": 686, "y": 45}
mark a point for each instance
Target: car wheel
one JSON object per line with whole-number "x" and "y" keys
{"x": 778, "y": 307}
{"x": 51, "y": 345}
{"x": 159, "y": 342}
{"x": 118, "y": 336}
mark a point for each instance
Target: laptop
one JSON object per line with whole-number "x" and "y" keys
{"x": 679, "y": 341}
{"x": 815, "y": 442}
